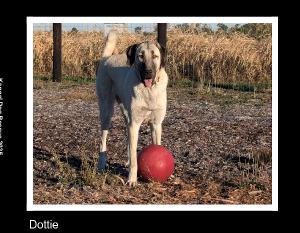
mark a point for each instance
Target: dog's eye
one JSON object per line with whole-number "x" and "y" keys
{"x": 154, "y": 56}
{"x": 141, "y": 56}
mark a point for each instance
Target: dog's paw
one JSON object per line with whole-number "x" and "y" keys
{"x": 131, "y": 183}
{"x": 101, "y": 161}
{"x": 132, "y": 180}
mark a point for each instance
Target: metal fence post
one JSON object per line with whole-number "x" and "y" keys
{"x": 56, "y": 52}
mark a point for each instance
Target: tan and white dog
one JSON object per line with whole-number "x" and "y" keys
{"x": 138, "y": 81}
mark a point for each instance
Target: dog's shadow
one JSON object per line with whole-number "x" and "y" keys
{"x": 117, "y": 169}
{"x": 72, "y": 160}
{"x": 75, "y": 161}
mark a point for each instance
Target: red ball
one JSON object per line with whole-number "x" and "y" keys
{"x": 155, "y": 163}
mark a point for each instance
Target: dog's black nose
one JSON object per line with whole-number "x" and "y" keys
{"x": 148, "y": 71}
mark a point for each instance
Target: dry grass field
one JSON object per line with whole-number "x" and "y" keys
{"x": 215, "y": 59}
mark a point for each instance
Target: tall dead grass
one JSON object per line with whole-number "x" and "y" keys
{"x": 200, "y": 57}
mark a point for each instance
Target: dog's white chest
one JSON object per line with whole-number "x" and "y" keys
{"x": 149, "y": 99}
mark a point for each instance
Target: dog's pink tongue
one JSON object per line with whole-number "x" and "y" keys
{"x": 148, "y": 82}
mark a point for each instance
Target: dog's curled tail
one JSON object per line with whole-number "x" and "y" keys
{"x": 110, "y": 44}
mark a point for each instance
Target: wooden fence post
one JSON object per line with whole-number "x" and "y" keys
{"x": 56, "y": 52}
{"x": 162, "y": 34}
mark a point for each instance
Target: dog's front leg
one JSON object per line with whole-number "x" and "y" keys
{"x": 133, "y": 131}
{"x": 156, "y": 133}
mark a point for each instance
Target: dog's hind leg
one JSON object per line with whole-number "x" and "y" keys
{"x": 126, "y": 120}
{"x": 106, "y": 105}
{"x": 102, "y": 154}
{"x": 103, "y": 140}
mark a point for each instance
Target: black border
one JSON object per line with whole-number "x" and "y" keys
{"x": 13, "y": 68}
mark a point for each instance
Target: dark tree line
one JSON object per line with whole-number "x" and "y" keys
{"x": 256, "y": 30}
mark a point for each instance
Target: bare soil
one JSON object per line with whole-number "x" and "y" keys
{"x": 221, "y": 141}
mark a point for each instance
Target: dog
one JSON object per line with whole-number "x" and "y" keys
{"x": 137, "y": 80}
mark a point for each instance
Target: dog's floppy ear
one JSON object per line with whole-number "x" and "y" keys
{"x": 130, "y": 52}
{"x": 163, "y": 54}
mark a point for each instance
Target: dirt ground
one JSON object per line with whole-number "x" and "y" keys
{"x": 221, "y": 141}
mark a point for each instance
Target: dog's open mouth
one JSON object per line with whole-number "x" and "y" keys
{"x": 148, "y": 82}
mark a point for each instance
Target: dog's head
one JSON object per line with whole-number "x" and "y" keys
{"x": 148, "y": 58}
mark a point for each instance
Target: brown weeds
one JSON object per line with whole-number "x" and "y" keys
{"x": 200, "y": 57}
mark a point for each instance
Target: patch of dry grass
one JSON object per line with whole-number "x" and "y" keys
{"x": 201, "y": 57}
{"x": 219, "y": 59}
{"x": 262, "y": 156}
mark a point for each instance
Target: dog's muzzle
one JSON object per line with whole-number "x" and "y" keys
{"x": 148, "y": 78}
